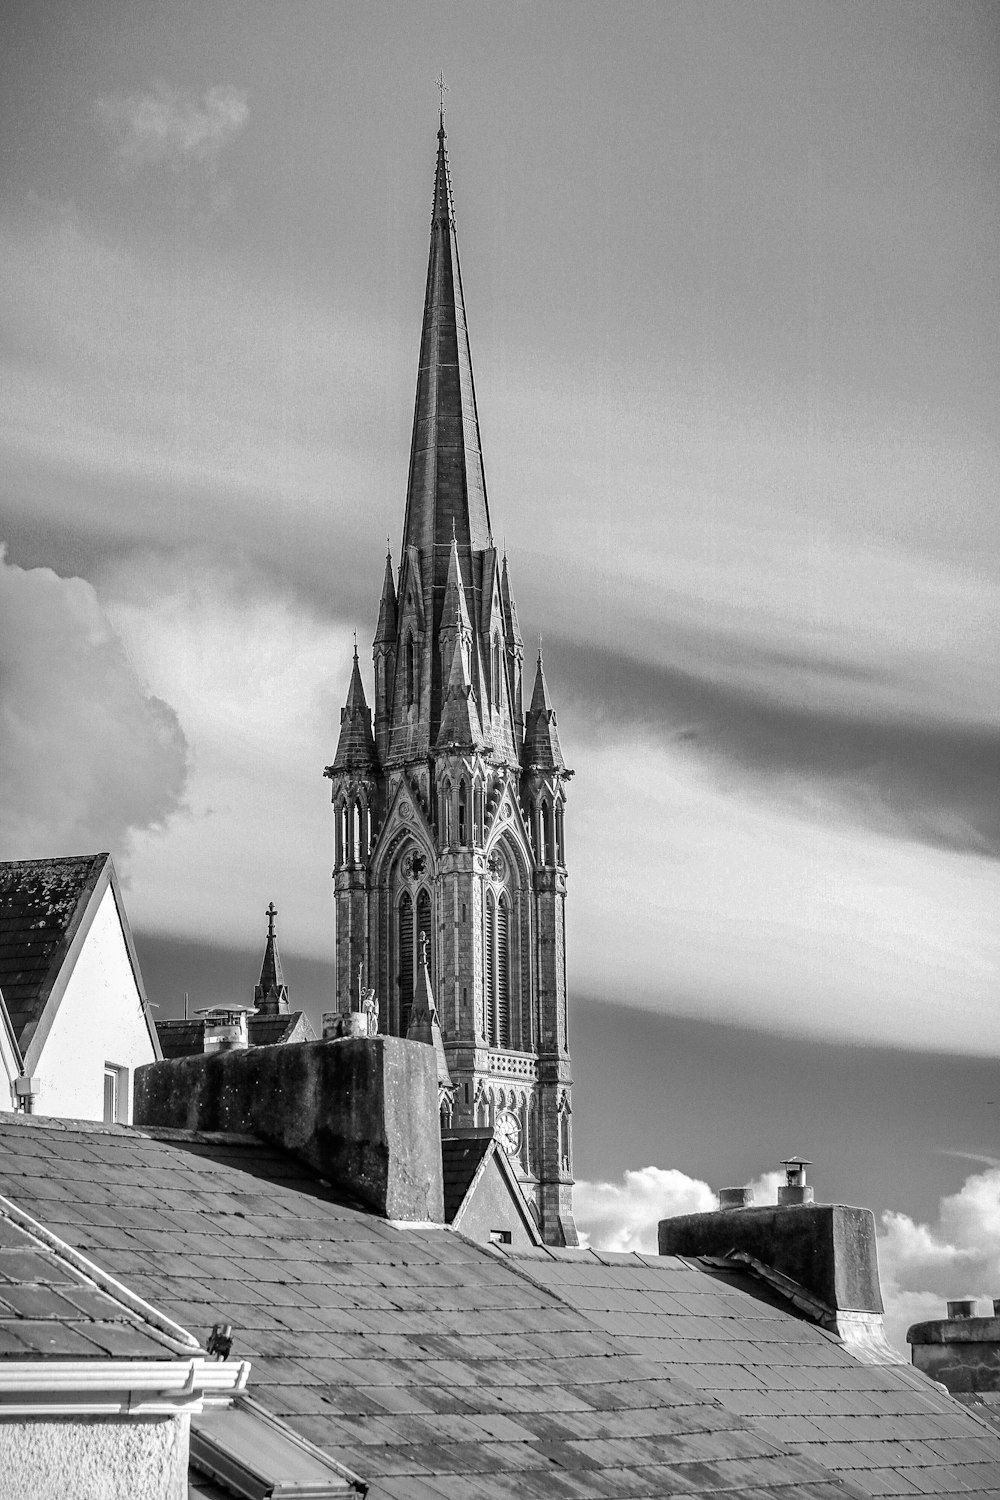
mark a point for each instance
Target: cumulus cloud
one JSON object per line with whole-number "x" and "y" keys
{"x": 89, "y": 756}
{"x": 924, "y": 1265}
{"x": 624, "y": 1216}
{"x": 170, "y": 126}
{"x": 921, "y": 1266}
{"x": 257, "y": 683}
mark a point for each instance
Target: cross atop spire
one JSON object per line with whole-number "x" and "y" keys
{"x": 442, "y": 90}
{"x": 271, "y": 913}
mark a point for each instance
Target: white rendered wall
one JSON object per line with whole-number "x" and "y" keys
{"x": 99, "y": 1021}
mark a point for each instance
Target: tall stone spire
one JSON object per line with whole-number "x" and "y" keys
{"x": 271, "y": 994}
{"x": 449, "y": 851}
{"x": 446, "y": 486}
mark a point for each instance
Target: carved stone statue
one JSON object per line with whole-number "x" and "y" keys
{"x": 369, "y": 1008}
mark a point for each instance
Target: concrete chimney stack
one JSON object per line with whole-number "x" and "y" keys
{"x": 361, "y": 1112}
{"x": 820, "y": 1256}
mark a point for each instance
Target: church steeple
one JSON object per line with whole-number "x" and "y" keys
{"x": 271, "y": 994}
{"x": 449, "y": 866}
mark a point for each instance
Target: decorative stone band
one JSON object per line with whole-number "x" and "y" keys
{"x": 117, "y": 1387}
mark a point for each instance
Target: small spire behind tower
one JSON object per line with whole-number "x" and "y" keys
{"x": 271, "y": 994}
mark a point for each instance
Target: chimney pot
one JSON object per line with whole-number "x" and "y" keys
{"x": 735, "y": 1197}
{"x": 965, "y": 1307}
{"x": 795, "y": 1191}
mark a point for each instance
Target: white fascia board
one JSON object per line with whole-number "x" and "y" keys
{"x": 131, "y": 1387}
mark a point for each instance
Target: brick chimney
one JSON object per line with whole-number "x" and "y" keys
{"x": 821, "y": 1257}
{"x": 362, "y": 1112}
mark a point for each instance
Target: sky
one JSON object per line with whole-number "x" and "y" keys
{"x": 732, "y": 288}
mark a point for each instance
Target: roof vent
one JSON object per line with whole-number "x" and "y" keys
{"x": 965, "y": 1308}
{"x": 794, "y": 1189}
{"x": 741, "y": 1197}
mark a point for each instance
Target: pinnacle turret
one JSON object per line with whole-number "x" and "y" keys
{"x": 385, "y": 634}
{"x": 542, "y": 751}
{"x": 460, "y": 725}
{"x": 356, "y": 747}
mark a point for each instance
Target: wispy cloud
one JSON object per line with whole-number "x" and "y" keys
{"x": 170, "y": 126}
{"x": 917, "y": 771}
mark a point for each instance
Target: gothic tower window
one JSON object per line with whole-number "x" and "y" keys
{"x": 411, "y": 675}
{"x": 490, "y": 967}
{"x": 544, "y": 842}
{"x": 477, "y": 813}
{"x": 445, "y": 818}
{"x": 338, "y": 828}
{"x": 503, "y": 971}
{"x": 424, "y": 926}
{"x": 560, "y": 851}
{"x": 463, "y": 814}
{"x": 405, "y": 951}
{"x": 495, "y": 675}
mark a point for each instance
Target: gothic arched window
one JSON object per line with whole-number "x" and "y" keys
{"x": 463, "y": 814}
{"x": 503, "y": 971}
{"x": 560, "y": 851}
{"x": 405, "y": 951}
{"x": 477, "y": 812}
{"x": 490, "y": 969}
{"x": 445, "y": 819}
{"x": 411, "y": 673}
{"x": 424, "y": 927}
{"x": 544, "y": 838}
{"x": 338, "y": 835}
{"x": 496, "y": 671}
{"x": 357, "y": 843}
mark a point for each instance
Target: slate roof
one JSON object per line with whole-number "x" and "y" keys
{"x": 433, "y": 1367}
{"x": 54, "y": 1305}
{"x": 42, "y": 902}
{"x": 885, "y": 1428}
{"x": 461, "y": 1158}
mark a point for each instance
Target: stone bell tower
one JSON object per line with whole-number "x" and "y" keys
{"x": 449, "y": 818}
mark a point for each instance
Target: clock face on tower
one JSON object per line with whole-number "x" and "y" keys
{"x": 507, "y": 1131}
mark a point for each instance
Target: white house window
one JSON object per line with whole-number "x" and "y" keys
{"x": 115, "y": 1095}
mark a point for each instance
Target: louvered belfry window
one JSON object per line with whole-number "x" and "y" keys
{"x": 405, "y": 961}
{"x": 490, "y": 968}
{"x": 503, "y": 973}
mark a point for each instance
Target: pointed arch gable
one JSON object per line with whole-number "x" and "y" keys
{"x": 511, "y": 826}
{"x": 395, "y": 828}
